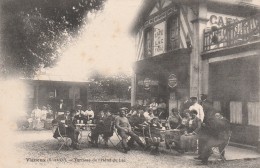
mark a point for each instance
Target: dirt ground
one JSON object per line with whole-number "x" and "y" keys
{"x": 39, "y": 149}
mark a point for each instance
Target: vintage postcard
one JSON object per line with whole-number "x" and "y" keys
{"x": 130, "y": 83}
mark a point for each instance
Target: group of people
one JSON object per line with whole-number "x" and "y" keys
{"x": 67, "y": 121}
{"x": 200, "y": 126}
{"x": 159, "y": 108}
{"x": 39, "y": 116}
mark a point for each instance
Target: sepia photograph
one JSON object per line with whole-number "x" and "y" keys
{"x": 130, "y": 83}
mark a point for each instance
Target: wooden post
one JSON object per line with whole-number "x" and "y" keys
{"x": 258, "y": 143}
{"x": 37, "y": 93}
{"x": 133, "y": 90}
{"x": 199, "y": 24}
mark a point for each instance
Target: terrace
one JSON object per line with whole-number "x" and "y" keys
{"x": 240, "y": 33}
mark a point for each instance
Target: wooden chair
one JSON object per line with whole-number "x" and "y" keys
{"x": 216, "y": 151}
{"x": 62, "y": 137}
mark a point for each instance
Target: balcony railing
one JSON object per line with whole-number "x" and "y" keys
{"x": 239, "y": 33}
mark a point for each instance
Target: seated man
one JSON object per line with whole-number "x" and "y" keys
{"x": 188, "y": 141}
{"x": 215, "y": 133}
{"x": 69, "y": 129}
{"x": 104, "y": 126}
{"x": 136, "y": 119}
{"x": 124, "y": 130}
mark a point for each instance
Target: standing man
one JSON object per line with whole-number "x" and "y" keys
{"x": 207, "y": 108}
{"x": 197, "y": 107}
{"x": 60, "y": 108}
{"x": 124, "y": 130}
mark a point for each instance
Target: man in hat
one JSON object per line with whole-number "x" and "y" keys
{"x": 105, "y": 127}
{"x": 69, "y": 128}
{"x": 197, "y": 107}
{"x": 80, "y": 115}
{"x": 124, "y": 130}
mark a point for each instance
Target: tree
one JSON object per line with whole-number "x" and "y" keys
{"x": 34, "y": 31}
{"x": 109, "y": 87}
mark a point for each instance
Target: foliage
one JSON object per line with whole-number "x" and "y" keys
{"x": 35, "y": 31}
{"x": 112, "y": 87}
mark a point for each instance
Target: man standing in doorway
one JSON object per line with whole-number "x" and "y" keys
{"x": 60, "y": 108}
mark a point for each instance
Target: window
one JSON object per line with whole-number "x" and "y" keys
{"x": 173, "y": 33}
{"x": 253, "y": 113}
{"x": 236, "y": 112}
{"x": 148, "y": 42}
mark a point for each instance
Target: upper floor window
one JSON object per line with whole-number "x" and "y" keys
{"x": 172, "y": 33}
{"x": 148, "y": 43}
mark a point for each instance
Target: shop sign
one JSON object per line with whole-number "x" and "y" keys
{"x": 221, "y": 19}
{"x": 172, "y": 81}
{"x": 147, "y": 83}
{"x": 159, "y": 38}
{"x": 160, "y": 17}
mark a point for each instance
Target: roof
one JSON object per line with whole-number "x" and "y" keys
{"x": 147, "y": 6}
{"x": 57, "y": 78}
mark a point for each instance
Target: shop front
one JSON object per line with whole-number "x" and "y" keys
{"x": 164, "y": 77}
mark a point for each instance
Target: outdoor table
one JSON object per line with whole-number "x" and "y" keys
{"x": 84, "y": 127}
{"x": 172, "y": 135}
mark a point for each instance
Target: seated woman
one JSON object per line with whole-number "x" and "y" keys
{"x": 188, "y": 141}
{"x": 68, "y": 129}
{"x": 148, "y": 114}
{"x": 174, "y": 119}
{"x": 172, "y": 136}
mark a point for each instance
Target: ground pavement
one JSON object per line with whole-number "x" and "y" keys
{"x": 39, "y": 149}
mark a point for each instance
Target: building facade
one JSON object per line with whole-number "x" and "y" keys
{"x": 46, "y": 90}
{"x": 187, "y": 48}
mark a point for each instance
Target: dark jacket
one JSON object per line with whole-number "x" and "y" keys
{"x": 208, "y": 109}
{"x": 217, "y": 127}
{"x": 195, "y": 126}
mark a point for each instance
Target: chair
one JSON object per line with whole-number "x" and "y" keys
{"x": 216, "y": 151}
{"x": 62, "y": 137}
{"x": 154, "y": 138}
{"x": 109, "y": 133}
